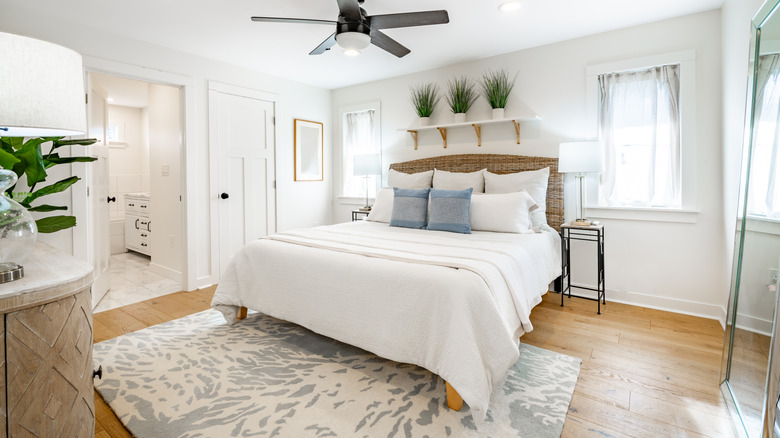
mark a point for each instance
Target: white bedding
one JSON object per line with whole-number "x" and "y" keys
{"x": 452, "y": 303}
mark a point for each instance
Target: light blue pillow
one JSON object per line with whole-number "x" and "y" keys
{"x": 450, "y": 210}
{"x": 410, "y": 208}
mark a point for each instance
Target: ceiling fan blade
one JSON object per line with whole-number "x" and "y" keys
{"x": 408, "y": 19}
{"x": 325, "y": 45}
{"x": 384, "y": 42}
{"x": 292, "y": 20}
{"x": 350, "y": 10}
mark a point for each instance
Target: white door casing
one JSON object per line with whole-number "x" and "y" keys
{"x": 242, "y": 138}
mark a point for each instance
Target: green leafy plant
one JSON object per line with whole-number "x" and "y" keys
{"x": 26, "y": 158}
{"x": 460, "y": 94}
{"x": 496, "y": 87}
{"x": 424, "y": 99}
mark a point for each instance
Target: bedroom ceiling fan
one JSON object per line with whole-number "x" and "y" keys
{"x": 355, "y": 29}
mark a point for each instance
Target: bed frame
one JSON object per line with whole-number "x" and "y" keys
{"x": 496, "y": 163}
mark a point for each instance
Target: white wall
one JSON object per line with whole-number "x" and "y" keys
{"x": 674, "y": 266}
{"x": 298, "y": 204}
{"x": 128, "y": 163}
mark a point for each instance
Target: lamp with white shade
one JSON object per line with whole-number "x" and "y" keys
{"x": 581, "y": 158}
{"x": 366, "y": 165}
{"x": 41, "y": 95}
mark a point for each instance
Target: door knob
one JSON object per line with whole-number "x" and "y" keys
{"x": 111, "y": 199}
{"x": 224, "y": 196}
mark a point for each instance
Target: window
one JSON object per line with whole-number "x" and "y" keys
{"x": 360, "y": 137}
{"x": 764, "y": 199}
{"x": 639, "y": 126}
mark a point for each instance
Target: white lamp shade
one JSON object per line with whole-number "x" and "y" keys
{"x": 581, "y": 157}
{"x": 368, "y": 164}
{"x": 41, "y": 89}
{"x": 353, "y": 40}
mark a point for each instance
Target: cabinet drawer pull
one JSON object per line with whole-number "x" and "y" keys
{"x": 143, "y": 235}
{"x": 143, "y": 244}
{"x": 131, "y": 205}
{"x": 136, "y": 224}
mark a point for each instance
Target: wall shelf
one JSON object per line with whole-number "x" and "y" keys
{"x": 477, "y": 125}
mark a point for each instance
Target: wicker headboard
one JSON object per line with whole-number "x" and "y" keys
{"x": 497, "y": 163}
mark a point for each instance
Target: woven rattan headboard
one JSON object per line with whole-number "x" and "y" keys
{"x": 498, "y": 164}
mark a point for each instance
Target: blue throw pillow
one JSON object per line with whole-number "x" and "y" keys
{"x": 450, "y": 210}
{"x": 410, "y": 208}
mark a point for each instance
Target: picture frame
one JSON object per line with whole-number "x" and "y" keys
{"x": 308, "y": 150}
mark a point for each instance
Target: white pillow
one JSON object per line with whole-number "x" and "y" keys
{"x": 503, "y": 213}
{"x": 382, "y": 210}
{"x": 534, "y": 182}
{"x": 402, "y": 180}
{"x": 443, "y": 180}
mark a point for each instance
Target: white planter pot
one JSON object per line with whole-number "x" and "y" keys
{"x": 425, "y": 121}
{"x": 460, "y": 117}
{"x": 498, "y": 113}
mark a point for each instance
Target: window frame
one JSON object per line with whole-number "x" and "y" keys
{"x": 343, "y": 110}
{"x": 687, "y": 213}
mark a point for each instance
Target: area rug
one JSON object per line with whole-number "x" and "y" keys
{"x": 199, "y": 377}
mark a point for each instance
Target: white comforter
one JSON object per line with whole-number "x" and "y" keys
{"x": 454, "y": 304}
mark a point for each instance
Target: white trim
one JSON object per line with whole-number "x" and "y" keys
{"x": 643, "y": 214}
{"x": 243, "y": 91}
{"x": 165, "y": 271}
{"x": 189, "y": 142}
{"x": 689, "y": 147}
{"x": 755, "y": 325}
{"x": 761, "y": 225}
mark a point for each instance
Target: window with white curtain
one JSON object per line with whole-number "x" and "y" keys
{"x": 764, "y": 199}
{"x": 639, "y": 126}
{"x": 360, "y": 136}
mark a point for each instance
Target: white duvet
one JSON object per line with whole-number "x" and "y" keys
{"x": 452, "y": 303}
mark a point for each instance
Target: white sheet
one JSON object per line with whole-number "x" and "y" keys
{"x": 452, "y": 303}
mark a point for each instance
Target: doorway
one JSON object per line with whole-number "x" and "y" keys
{"x": 142, "y": 129}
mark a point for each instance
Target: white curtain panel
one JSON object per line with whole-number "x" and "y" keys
{"x": 764, "y": 199}
{"x": 639, "y": 123}
{"x": 358, "y": 140}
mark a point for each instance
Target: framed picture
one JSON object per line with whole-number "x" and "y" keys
{"x": 308, "y": 150}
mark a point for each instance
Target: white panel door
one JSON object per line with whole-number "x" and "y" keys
{"x": 101, "y": 238}
{"x": 245, "y": 152}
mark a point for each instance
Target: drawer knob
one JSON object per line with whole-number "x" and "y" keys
{"x": 111, "y": 199}
{"x": 224, "y": 196}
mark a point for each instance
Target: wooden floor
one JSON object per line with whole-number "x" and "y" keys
{"x": 645, "y": 373}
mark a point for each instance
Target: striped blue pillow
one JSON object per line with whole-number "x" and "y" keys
{"x": 410, "y": 208}
{"x": 450, "y": 210}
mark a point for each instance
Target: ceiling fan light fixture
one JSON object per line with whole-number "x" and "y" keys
{"x": 509, "y": 6}
{"x": 355, "y": 41}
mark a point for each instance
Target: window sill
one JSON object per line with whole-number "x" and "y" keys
{"x": 351, "y": 200}
{"x": 763, "y": 225}
{"x": 643, "y": 214}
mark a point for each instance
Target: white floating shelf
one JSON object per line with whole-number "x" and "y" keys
{"x": 477, "y": 125}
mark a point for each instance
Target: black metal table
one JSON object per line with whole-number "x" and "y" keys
{"x": 592, "y": 233}
{"x": 356, "y": 214}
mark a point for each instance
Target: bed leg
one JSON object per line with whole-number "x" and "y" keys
{"x": 241, "y": 313}
{"x": 454, "y": 401}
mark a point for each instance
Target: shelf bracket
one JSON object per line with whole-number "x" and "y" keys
{"x": 478, "y": 130}
{"x": 414, "y": 137}
{"x": 517, "y": 129}
{"x": 443, "y": 132}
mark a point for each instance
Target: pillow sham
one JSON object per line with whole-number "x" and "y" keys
{"x": 444, "y": 180}
{"x": 382, "y": 210}
{"x": 421, "y": 180}
{"x": 534, "y": 182}
{"x": 410, "y": 208}
{"x": 503, "y": 213}
{"x": 450, "y": 210}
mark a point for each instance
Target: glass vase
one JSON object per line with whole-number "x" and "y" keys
{"x": 17, "y": 226}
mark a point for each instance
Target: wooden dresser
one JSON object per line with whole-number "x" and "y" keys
{"x": 46, "y": 349}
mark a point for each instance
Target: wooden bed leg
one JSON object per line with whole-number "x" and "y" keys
{"x": 454, "y": 401}
{"x": 241, "y": 313}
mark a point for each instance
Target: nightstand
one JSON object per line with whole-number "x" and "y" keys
{"x": 591, "y": 233}
{"x": 356, "y": 215}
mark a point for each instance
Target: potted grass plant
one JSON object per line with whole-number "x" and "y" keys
{"x": 460, "y": 96}
{"x": 424, "y": 98}
{"x": 496, "y": 87}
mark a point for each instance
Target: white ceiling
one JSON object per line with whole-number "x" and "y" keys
{"x": 223, "y": 31}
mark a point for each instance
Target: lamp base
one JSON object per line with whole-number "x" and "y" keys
{"x": 10, "y": 272}
{"x": 581, "y": 223}
{"x": 365, "y": 208}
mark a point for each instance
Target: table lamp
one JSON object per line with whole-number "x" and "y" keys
{"x": 366, "y": 165}
{"x": 580, "y": 158}
{"x": 41, "y": 95}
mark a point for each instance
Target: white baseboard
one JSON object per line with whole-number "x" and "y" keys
{"x": 165, "y": 271}
{"x": 755, "y": 325}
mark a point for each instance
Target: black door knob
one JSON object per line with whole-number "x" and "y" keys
{"x": 98, "y": 373}
{"x": 111, "y": 199}
{"x": 224, "y": 196}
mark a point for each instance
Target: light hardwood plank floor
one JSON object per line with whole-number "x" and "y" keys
{"x": 645, "y": 373}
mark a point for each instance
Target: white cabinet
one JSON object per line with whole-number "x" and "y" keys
{"x": 138, "y": 226}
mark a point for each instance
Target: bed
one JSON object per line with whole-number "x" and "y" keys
{"x": 455, "y": 304}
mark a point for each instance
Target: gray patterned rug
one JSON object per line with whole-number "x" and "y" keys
{"x": 198, "y": 377}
